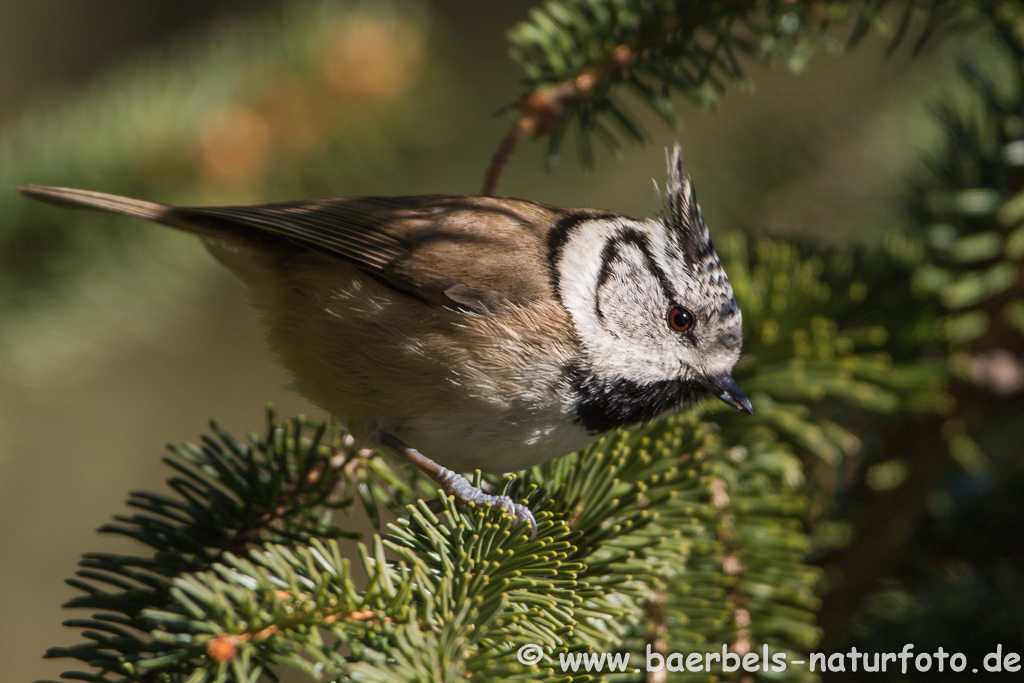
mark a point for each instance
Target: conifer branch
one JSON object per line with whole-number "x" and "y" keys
{"x": 579, "y": 55}
{"x": 959, "y": 276}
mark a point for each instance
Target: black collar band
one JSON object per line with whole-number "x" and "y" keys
{"x": 602, "y": 405}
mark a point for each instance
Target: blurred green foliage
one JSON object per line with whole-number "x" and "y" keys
{"x": 293, "y": 105}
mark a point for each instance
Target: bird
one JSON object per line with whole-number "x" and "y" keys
{"x": 484, "y": 333}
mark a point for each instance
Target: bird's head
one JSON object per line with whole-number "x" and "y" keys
{"x": 653, "y": 309}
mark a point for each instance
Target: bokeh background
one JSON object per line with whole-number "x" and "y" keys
{"x": 117, "y": 337}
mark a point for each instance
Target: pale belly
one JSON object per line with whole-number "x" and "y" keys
{"x": 497, "y": 443}
{"x": 470, "y": 392}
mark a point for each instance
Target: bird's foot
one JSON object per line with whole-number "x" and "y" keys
{"x": 459, "y": 488}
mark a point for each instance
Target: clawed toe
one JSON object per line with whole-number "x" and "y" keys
{"x": 523, "y": 514}
{"x": 464, "y": 492}
{"x": 458, "y": 486}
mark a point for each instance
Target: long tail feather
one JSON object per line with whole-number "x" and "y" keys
{"x": 96, "y": 201}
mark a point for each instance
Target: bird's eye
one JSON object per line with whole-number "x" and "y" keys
{"x": 680, "y": 319}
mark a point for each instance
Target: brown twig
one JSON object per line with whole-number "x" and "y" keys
{"x": 224, "y": 646}
{"x": 502, "y": 154}
{"x": 542, "y": 110}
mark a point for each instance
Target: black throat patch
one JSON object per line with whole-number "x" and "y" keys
{"x": 603, "y": 406}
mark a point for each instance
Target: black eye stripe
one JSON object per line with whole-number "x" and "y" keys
{"x": 641, "y": 241}
{"x": 625, "y": 235}
{"x": 610, "y": 252}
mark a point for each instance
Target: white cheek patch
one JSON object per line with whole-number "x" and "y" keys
{"x": 629, "y": 341}
{"x": 579, "y": 264}
{"x": 628, "y": 296}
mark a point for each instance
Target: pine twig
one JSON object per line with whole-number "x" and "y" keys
{"x": 542, "y": 110}
{"x": 576, "y": 51}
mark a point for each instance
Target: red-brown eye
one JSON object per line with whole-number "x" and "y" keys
{"x": 680, "y": 319}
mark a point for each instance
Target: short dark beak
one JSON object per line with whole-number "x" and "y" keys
{"x": 725, "y": 388}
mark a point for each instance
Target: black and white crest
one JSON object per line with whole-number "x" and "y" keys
{"x": 685, "y": 221}
{"x": 653, "y": 308}
{"x": 681, "y": 212}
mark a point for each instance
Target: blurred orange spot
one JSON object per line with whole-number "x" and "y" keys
{"x": 373, "y": 58}
{"x": 222, "y": 648}
{"x": 234, "y": 145}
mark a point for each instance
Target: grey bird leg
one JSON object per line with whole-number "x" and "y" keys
{"x": 458, "y": 486}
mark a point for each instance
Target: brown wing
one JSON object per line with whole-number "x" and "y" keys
{"x": 468, "y": 253}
